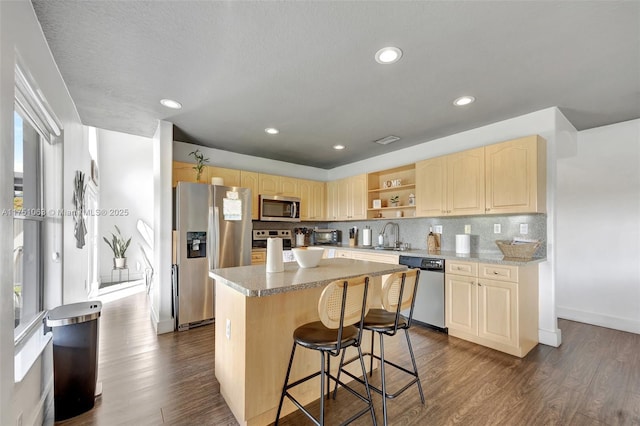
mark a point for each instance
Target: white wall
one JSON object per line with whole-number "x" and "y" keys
{"x": 161, "y": 292}
{"x": 21, "y": 36}
{"x": 598, "y": 272}
{"x": 126, "y": 195}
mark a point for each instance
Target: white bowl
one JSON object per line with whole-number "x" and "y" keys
{"x": 308, "y": 257}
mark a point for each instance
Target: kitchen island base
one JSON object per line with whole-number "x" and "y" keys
{"x": 254, "y": 335}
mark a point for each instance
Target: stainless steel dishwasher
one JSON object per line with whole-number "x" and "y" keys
{"x": 429, "y": 304}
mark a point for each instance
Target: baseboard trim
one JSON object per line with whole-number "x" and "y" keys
{"x": 600, "y": 320}
{"x": 161, "y": 327}
{"x": 550, "y": 337}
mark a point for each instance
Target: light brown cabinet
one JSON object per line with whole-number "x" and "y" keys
{"x": 493, "y": 305}
{"x": 516, "y": 176}
{"x": 278, "y": 185}
{"x": 346, "y": 198}
{"x": 312, "y": 196}
{"x": 184, "y": 172}
{"x": 452, "y": 185}
{"x": 251, "y": 180}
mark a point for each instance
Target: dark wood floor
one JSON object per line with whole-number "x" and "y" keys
{"x": 592, "y": 379}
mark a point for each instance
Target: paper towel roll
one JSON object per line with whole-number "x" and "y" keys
{"x": 463, "y": 243}
{"x": 274, "y": 255}
{"x": 217, "y": 181}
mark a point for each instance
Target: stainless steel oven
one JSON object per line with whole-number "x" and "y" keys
{"x": 279, "y": 208}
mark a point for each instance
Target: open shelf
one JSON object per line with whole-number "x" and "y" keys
{"x": 393, "y": 188}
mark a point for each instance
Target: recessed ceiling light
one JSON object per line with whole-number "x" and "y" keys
{"x": 272, "y": 130}
{"x": 464, "y": 100}
{"x": 388, "y": 55}
{"x": 338, "y": 147}
{"x": 170, "y": 103}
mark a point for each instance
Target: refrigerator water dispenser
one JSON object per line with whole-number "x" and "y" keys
{"x": 196, "y": 244}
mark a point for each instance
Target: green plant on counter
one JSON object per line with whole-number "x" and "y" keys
{"x": 395, "y": 199}
{"x": 200, "y": 160}
{"x": 118, "y": 244}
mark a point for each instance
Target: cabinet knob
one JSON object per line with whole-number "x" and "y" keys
{"x": 479, "y": 284}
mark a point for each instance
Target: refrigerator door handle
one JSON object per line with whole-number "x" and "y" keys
{"x": 214, "y": 237}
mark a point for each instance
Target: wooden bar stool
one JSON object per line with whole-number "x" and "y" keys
{"x": 342, "y": 308}
{"x": 398, "y": 294}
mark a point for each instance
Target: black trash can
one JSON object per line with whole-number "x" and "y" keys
{"x": 75, "y": 356}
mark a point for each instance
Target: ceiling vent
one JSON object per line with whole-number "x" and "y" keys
{"x": 387, "y": 140}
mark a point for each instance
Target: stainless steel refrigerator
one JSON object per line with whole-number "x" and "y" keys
{"x": 213, "y": 225}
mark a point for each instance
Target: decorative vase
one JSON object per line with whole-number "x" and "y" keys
{"x": 119, "y": 262}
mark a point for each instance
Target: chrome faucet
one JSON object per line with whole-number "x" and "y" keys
{"x": 396, "y": 242}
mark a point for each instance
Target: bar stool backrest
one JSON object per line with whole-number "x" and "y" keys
{"x": 343, "y": 302}
{"x": 393, "y": 289}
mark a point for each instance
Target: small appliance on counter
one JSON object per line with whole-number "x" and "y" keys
{"x": 329, "y": 237}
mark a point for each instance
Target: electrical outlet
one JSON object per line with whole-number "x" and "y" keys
{"x": 228, "y": 332}
{"x": 497, "y": 228}
{"x": 437, "y": 229}
{"x": 467, "y": 229}
{"x": 524, "y": 228}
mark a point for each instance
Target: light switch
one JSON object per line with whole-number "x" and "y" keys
{"x": 524, "y": 228}
{"x": 467, "y": 229}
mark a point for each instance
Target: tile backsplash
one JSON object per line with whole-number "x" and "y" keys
{"x": 414, "y": 230}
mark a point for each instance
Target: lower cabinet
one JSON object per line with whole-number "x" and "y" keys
{"x": 258, "y": 257}
{"x": 493, "y": 305}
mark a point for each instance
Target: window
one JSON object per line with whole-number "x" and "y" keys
{"x": 27, "y": 223}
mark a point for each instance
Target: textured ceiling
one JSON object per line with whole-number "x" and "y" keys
{"x": 307, "y": 68}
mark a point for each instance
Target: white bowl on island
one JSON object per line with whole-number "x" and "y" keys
{"x": 308, "y": 257}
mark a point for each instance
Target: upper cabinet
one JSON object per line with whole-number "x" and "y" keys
{"x": 516, "y": 176}
{"x": 312, "y": 205}
{"x": 231, "y": 177}
{"x": 452, "y": 185}
{"x": 346, "y": 198}
{"x": 251, "y": 180}
{"x": 278, "y": 185}
{"x": 508, "y": 177}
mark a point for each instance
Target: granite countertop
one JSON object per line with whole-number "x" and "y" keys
{"x": 497, "y": 258}
{"x": 254, "y": 281}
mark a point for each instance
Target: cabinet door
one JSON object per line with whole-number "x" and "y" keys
{"x": 516, "y": 176}
{"x": 461, "y": 300}
{"x": 288, "y": 186}
{"x": 332, "y": 201}
{"x": 305, "y": 192}
{"x": 358, "y": 197}
{"x": 430, "y": 187}
{"x": 465, "y": 182}
{"x": 317, "y": 209}
{"x": 269, "y": 184}
{"x": 343, "y": 197}
{"x": 251, "y": 180}
{"x": 184, "y": 172}
{"x": 231, "y": 177}
{"x": 497, "y": 311}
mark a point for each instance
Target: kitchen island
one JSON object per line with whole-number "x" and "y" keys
{"x": 256, "y": 313}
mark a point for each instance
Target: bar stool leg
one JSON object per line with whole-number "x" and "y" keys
{"x": 384, "y": 382}
{"x": 286, "y": 381}
{"x": 366, "y": 386}
{"x": 371, "y": 357}
{"x": 329, "y": 376}
{"x": 322, "y": 373}
{"x": 413, "y": 361}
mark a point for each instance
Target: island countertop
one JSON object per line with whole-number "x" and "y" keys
{"x": 254, "y": 281}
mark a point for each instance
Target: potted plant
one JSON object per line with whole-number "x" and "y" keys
{"x": 395, "y": 200}
{"x": 118, "y": 246}
{"x": 200, "y": 160}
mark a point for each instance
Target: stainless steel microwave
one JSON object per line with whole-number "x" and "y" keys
{"x": 279, "y": 208}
